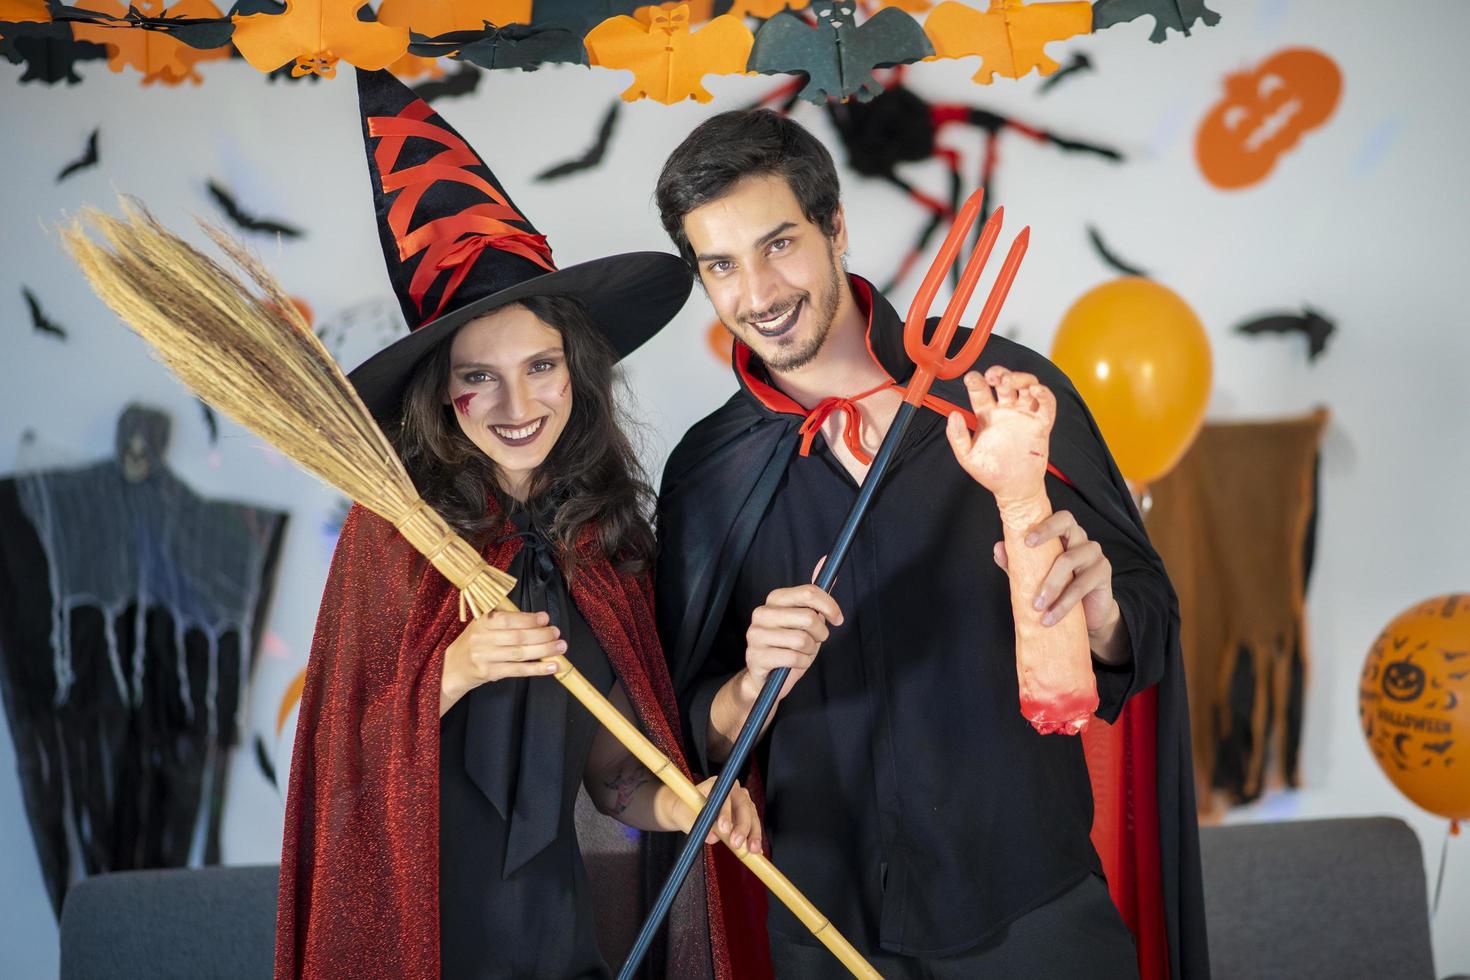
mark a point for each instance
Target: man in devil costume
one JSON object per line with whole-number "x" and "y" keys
{"x": 905, "y": 793}
{"x": 429, "y": 824}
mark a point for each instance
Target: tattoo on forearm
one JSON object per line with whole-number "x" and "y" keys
{"x": 624, "y": 785}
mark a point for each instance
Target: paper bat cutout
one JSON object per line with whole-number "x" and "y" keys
{"x": 1178, "y": 14}
{"x": 40, "y": 322}
{"x": 516, "y": 46}
{"x": 594, "y": 153}
{"x": 285, "y": 73}
{"x": 667, "y": 59}
{"x": 24, "y": 12}
{"x": 838, "y": 56}
{"x": 462, "y": 81}
{"x": 318, "y": 34}
{"x": 1109, "y": 258}
{"x": 432, "y": 18}
{"x": 246, "y": 221}
{"x": 205, "y": 31}
{"x": 49, "y": 52}
{"x": 1010, "y": 36}
{"x": 263, "y": 761}
{"x": 1076, "y": 65}
{"x": 766, "y": 9}
{"x": 88, "y": 158}
{"x": 211, "y": 421}
{"x": 435, "y": 17}
{"x": 1309, "y": 323}
{"x": 157, "y": 54}
{"x": 580, "y": 16}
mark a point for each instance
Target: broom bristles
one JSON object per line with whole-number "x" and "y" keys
{"x": 254, "y": 358}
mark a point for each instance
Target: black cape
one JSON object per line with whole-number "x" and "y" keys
{"x": 720, "y": 481}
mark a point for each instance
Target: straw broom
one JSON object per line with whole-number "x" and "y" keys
{"x": 254, "y": 358}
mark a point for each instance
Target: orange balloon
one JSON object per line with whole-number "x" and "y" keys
{"x": 1140, "y": 359}
{"x": 1414, "y": 704}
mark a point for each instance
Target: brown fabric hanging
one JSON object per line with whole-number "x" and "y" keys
{"x": 1232, "y": 525}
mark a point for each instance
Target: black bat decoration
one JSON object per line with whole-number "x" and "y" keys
{"x": 197, "y": 32}
{"x": 211, "y": 421}
{"x": 49, "y": 52}
{"x": 88, "y": 158}
{"x": 580, "y": 16}
{"x": 263, "y": 760}
{"x": 248, "y": 222}
{"x": 1126, "y": 268}
{"x": 1309, "y": 323}
{"x": 462, "y": 81}
{"x": 514, "y": 46}
{"x": 838, "y": 56}
{"x": 1178, "y": 14}
{"x": 1075, "y": 65}
{"x": 594, "y": 153}
{"x": 40, "y": 322}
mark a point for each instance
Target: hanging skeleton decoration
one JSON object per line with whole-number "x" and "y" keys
{"x": 129, "y": 610}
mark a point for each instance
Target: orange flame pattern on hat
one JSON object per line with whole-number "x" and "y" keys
{"x": 441, "y": 239}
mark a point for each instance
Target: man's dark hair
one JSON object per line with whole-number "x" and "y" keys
{"x": 731, "y": 146}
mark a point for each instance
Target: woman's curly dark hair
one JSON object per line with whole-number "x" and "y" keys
{"x": 590, "y": 484}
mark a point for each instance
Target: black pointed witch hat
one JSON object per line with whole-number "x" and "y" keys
{"x": 457, "y": 247}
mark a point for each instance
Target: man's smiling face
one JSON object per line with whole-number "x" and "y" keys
{"x": 772, "y": 276}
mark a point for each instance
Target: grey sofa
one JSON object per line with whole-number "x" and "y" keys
{"x": 1344, "y": 899}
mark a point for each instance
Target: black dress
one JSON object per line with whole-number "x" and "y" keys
{"x": 513, "y": 893}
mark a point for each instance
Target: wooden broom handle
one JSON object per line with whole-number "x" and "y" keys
{"x": 483, "y": 589}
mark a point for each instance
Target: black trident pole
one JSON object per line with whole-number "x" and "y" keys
{"x": 764, "y": 704}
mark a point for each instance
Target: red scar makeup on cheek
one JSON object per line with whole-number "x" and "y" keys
{"x": 462, "y": 403}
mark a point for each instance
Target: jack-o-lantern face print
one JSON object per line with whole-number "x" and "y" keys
{"x": 1263, "y": 115}
{"x": 1402, "y": 680}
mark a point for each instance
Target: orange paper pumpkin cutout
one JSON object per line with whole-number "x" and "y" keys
{"x": 435, "y": 17}
{"x": 159, "y": 57}
{"x": 1010, "y": 36}
{"x": 667, "y": 59}
{"x": 1263, "y": 114}
{"x": 317, "y": 34}
{"x": 1414, "y": 704}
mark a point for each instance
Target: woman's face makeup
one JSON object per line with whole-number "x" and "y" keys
{"x": 511, "y": 390}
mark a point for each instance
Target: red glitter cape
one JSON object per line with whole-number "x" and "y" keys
{"x": 359, "y": 892}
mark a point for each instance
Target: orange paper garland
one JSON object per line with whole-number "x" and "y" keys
{"x": 1010, "y": 36}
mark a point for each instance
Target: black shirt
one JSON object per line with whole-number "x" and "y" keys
{"x": 513, "y": 892}
{"x": 906, "y": 795}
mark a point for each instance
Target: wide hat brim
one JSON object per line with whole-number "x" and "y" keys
{"x": 630, "y": 297}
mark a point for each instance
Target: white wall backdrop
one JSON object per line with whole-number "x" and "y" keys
{"x": 1368, "y": 220}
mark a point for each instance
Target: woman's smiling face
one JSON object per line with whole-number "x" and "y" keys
{"x": 511, "y": 390}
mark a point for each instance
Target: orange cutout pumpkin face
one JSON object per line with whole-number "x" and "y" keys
{"x": 1263, "y": 115}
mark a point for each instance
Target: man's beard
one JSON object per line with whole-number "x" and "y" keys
{"x": 791, "y": 358}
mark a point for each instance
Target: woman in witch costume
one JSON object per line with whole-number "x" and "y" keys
{"x": 429, "y": 823}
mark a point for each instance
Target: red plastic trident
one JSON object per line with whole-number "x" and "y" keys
{"x": 930, "y": 357}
